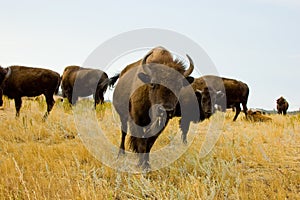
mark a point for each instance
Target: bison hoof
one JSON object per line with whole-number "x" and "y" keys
{"x": 145, "y": 166}
{"x": 184, "y": 140}
{"x": 121, "y": 153}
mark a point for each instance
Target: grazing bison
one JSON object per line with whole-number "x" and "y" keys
{"x": 19, "y": 81}
{"x": 282, "y": 106}
{"x": 206, "y": 99}
{"x": 86, "y": 81}
{"x": 236, "y": 92}
{"x": 146, "y": 98}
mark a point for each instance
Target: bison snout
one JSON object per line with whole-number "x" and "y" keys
{"x": 164, "y": 111}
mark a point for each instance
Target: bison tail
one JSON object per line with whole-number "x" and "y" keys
{"x": 103, "y": 85}
{"x": 113, "y": 80}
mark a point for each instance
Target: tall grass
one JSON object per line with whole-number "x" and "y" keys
{"x": 47, "y": 160}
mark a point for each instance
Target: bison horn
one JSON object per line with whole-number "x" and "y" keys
{"x": 199, "y": 91}
{"x": 145, "y": 67}
{"x": 190, "y": 69}
{"x": 145, "y": 58}
{"x": 8, "y": 72}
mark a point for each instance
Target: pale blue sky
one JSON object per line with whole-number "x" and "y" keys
{"x": 256, "y": 41}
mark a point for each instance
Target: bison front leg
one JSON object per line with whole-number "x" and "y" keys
{"x": 245, "y": 109}
{"x": 144, "y": 158}
{"x": 184, "y": 126}
{"x": 1, "y": 94}
{"x": 50, "y": 103}
{"x": 284, "y": 112}
{"x": 124, "y": 127}
{"x": 18, "y": 104}
{"x": 69, "y": 96}
{"x": 142, "y": 151}
{"x": 237, "y": 111}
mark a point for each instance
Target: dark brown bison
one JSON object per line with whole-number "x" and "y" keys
{"x": 282, "y": 106}
{"x": 236, "y": 92}
{"x": 19, "y": 81}
{"x": 206, "y": 99}
{"x": 81, "y": 82}
{"x": 146, "y": 98}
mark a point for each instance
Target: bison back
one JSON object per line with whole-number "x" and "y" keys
{"x": 28, "y": 81}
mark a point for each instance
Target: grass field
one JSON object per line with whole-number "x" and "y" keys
{"x": 47, "y": 160}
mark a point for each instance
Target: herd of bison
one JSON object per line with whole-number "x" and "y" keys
{"x": 149, "y": 92}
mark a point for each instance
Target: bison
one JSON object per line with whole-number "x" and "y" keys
{"x": 282, "y": 105}
{"x": 80, "y": 82}
{"x": 146, "y": 97}
{"x": 236, "y": 92}
{"x": 19, "y": 81}
{"x": 206, "y": 99}
{"x": 257, "y": 116}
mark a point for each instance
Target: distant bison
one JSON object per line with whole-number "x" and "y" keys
{"x": 282, "y": 106}
{"x": 257, "y": 116}
{"x": 87, "y": 82}
{"x": 236, "y": 92}
{"x": 19, "y": 81}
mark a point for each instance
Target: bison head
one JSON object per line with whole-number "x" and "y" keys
{"x": 159, "y": 55}
{"x": 3, "y": 73}
{"x": 208, "y": 98}
{"x": 164, "y": 83}
{"x": 281, "y": 101}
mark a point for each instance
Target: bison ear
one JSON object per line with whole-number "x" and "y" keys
{"x": 189, "y": 81}
{"x": 145, "y": 78}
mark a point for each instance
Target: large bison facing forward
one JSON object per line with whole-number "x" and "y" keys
{"x": 282, "y": 106}
{"x": 236, "y": 92}
{"x": 81, "y": 82}
{"x": 19, "y": 81}
{"x": 146, "y": 98}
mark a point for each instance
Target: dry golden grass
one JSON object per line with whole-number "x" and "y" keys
{"x": 48, "y": 160}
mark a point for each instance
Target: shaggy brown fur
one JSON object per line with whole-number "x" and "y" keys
{"x": 236, "y": 92}
{"x": 282, "y": 106}
{"x": 196, "y": 112}
{"x": 133, "y": 99}
{"x": 87, "y": 82}
{"x": 28, "y": 81}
